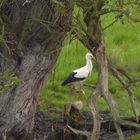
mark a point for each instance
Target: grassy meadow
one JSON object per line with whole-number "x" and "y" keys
{"x": 122, "y": 47}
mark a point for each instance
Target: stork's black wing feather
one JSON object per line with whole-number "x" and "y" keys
{"x": 71, "y": 79}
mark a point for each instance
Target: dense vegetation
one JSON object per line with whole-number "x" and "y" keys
{"x": 122, "y": 47}
{"x": 32, "y": 34}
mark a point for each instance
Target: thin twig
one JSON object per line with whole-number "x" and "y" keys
{"x": 2, "y": 35}
{"x": 90, "y": 85}
{"x": 110, "y": 24}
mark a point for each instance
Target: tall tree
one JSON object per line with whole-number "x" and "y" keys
{"x": 88, "y": 29}
{"x": 32, "y": 33}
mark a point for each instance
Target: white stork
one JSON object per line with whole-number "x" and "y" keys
{"x": 80, "y": 75}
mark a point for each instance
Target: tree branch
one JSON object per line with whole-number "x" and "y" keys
{"x": 129, "y": 123}
{"x": 79, "y": 132}
{"x": 95, "y": 114}
{"x": 127, "y": 87}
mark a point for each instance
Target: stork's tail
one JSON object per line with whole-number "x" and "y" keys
{"x": 64, "y": 83}
{"x": 69, "y": 79}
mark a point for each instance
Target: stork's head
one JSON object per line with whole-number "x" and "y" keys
{"x": 90, "y": 56}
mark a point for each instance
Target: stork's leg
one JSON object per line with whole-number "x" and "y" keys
{"x": 82, "y": 93}
{"x": 81, "y": 88}
{"x": 72, "y": 88}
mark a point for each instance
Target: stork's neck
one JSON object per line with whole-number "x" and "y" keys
{"x": 89, "y": 64}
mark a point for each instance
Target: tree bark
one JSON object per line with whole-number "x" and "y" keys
{"x": 32, "y": 40}
{"x": 94, "y": 41}
{"x": 103, "y": 83}
{"x": 95, "y": 135}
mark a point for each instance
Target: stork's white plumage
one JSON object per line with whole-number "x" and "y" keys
{"x": 79, "y": 75}
{"x": 86, "y": 70}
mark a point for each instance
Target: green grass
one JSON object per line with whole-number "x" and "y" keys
{"x": 123, "y": 44}
{"x": 122, "y": 47}
{"x": 136, "y": 137}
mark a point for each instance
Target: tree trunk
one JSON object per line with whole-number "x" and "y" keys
{"x": 33, "y": 33}
{"x": 103, "y": 87}
{"x": 94, "y": 41}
